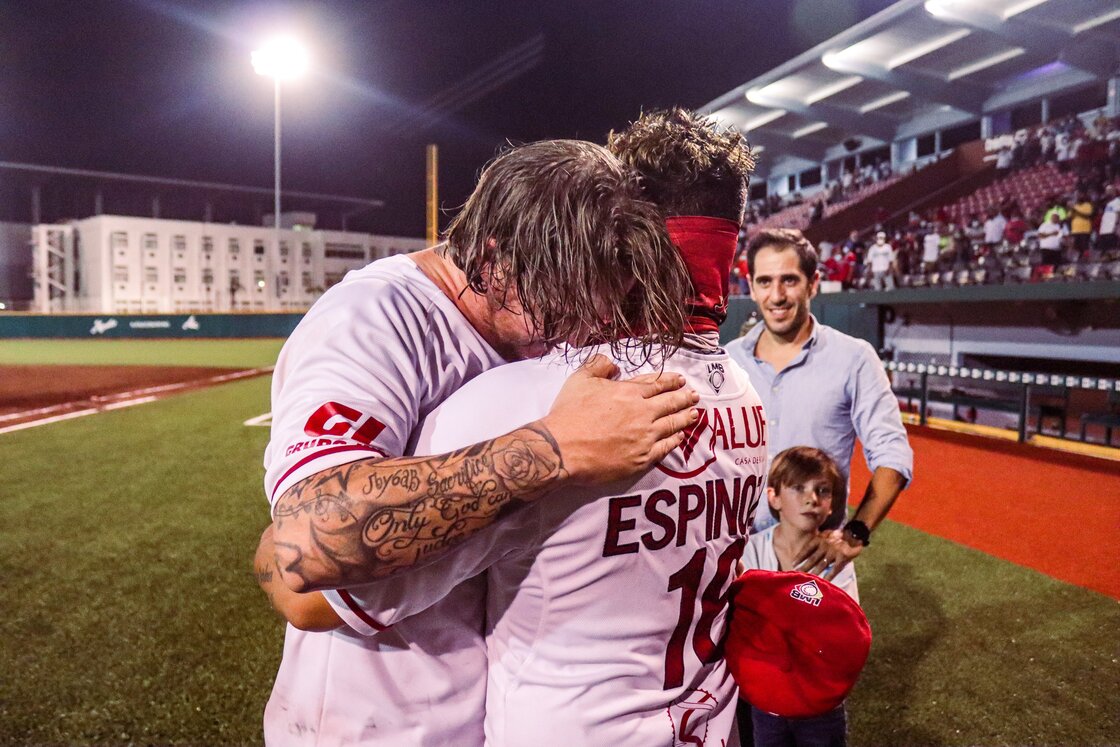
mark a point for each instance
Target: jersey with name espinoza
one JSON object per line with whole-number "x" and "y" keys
{"x": 607, "y": 608}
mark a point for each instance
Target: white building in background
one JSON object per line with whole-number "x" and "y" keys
{"x": 112, "y": 264}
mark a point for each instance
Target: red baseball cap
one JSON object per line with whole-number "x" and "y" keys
{"x": 796, "y": 644}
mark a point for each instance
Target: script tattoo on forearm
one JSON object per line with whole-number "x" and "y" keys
{"x": 366, "y": 520}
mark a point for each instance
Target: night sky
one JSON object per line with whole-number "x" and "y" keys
{"x": 166, "y": 88}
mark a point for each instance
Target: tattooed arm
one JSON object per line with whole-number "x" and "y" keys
{"x": 365, "y": 520}
{"x": 311, "y": 611}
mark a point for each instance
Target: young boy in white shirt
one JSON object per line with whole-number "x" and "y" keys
{"x": 802, "y": 486}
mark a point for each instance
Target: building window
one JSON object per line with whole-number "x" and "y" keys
{"x": 151, "y": 274}
{"x": 305, "y": 278}
{"x": 120, "y": 273}
{"x": 150, "y": 241}
{"x": 179, "y": 243}
{"x": 283, "y": 248}
{"x": 344, "y": 251}
{"x": 234, "y": 246}
{"x": 207, "y": 276}
{"x": 307, "y": 252}
{"x": 118, "y": 240}
{"x": 258, "y": 249}
{"x": 258, "y": 280}
{"x": 207, "y": 244}
{"x": 180, "y": 275}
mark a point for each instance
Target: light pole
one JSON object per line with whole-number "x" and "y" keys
{"x": 280, "y": 59}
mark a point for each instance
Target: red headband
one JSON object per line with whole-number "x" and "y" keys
{"x": 708, "y": 247}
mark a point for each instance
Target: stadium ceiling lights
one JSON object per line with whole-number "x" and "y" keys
{"x": 1092, "y": 23}
{"x": 887, "y": 100}
{"x": 774, "y": 94}
{"x": 763, "y": 119}
{"x": 975, "y": 67}
{"x": 833, "y": 88}
{"x": 871, "y": 51}
{"x": 1017, "y": 8}
{"x": 944, "y": 8}
{"x": 809, "y": 130}
{"x": 921, "y": 50}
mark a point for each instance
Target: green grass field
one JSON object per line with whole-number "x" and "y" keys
{"x": 130, "y": 614}
{"x": 217, "y": 353}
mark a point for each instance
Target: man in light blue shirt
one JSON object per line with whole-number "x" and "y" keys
{"x": 821, "y": 388}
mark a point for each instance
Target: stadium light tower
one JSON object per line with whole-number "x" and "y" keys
{"x": 280, "y": 59}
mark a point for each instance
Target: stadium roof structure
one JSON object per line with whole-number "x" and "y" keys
{"x": 923, "y": 65}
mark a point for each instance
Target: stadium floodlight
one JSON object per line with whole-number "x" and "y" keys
{"x": 282, "y": 58}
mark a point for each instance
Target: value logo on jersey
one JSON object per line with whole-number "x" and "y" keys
{"x": 807, "y": 592}
{"x": 721, "y": 428}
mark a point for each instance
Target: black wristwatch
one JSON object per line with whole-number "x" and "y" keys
{"x": 859, "y": 530}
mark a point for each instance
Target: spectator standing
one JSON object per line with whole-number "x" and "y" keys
{"x": 1107, "y": 239}
{"x": 1050, "y": 239}
{"x": 1063, "y": 148}
{"x": 1015, "y": 230}
{"x": 881, "y": 259}
{"x": 840, "y": 265}
{"x": 1046, "y": 141}
{"x": 823, "y": 388}
{"x": 1056, "y": 207}
{"x": 994, "y": 228}
{"x": 1003, "y": 162}
{"x": 1081, "y": 223}
{"x": 931, "y": 249}
{"x": 818, "y": 212}
{"x": 975, "y": 230}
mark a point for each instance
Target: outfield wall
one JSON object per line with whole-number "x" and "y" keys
{"x": 1077, "y": 322}
{"x": 163, "y": 326}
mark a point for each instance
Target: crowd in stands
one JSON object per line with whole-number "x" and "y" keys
{"x": 1052, "y": 214}
{"x": 794, "y": 211}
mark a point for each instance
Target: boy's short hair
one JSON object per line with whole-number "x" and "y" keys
{"x": 800, "y": 463}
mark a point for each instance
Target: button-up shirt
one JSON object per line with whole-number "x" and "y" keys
{"x": 834, "y": 391}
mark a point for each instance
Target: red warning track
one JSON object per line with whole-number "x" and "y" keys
{"x": 1054, "y": 512}
{"x": 37, "y": 395}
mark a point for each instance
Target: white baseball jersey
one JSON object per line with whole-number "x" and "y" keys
{"x": 606, "y": 608}
{"x": 760, "y": 554}
{"x": 377, "y": 352}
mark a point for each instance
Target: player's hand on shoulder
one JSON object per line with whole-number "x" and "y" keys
{"x": 609, "y": 430}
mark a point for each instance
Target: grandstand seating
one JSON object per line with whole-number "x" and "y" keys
{"x": 1030, "y": 188}
{"x": 797, "y": 216}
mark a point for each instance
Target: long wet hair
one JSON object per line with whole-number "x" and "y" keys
{"x": 687, "y": 165}
{"x": 563, "y": 225}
